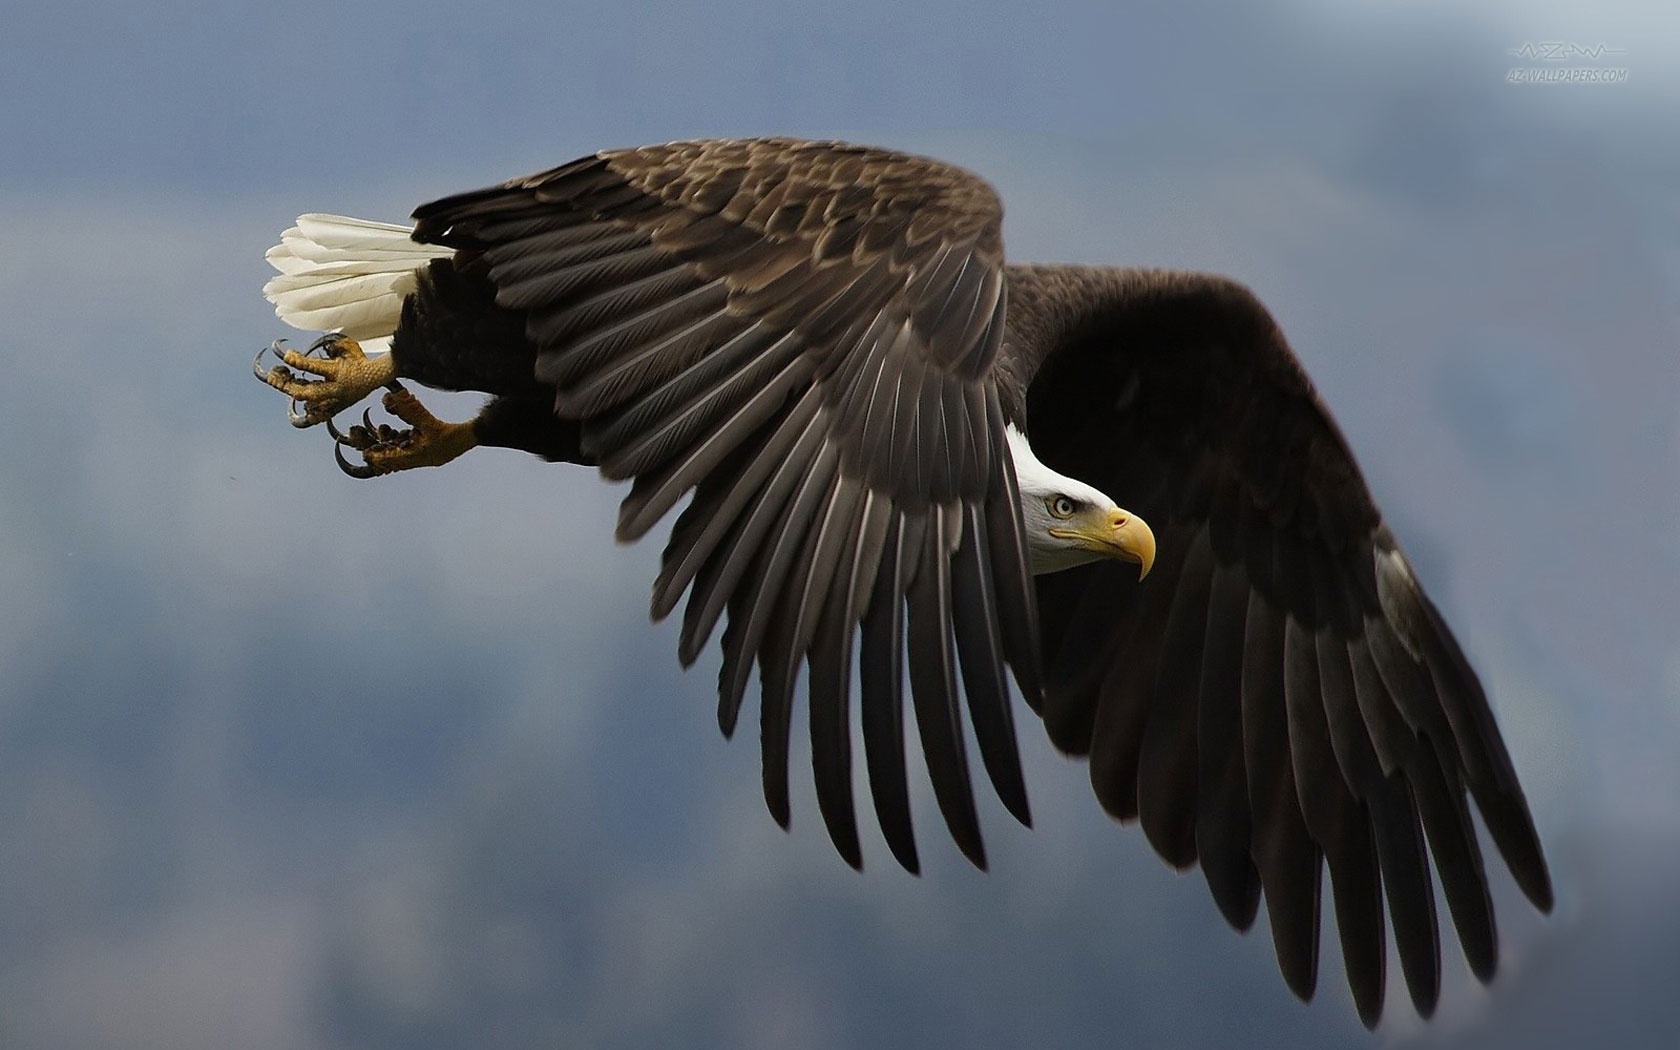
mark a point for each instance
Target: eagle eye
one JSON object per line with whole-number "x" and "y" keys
{"x": 1061, "y": 506}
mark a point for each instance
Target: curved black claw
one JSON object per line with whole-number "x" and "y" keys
{"x": 329, "y": 346}
{"x": 362, "y": 472}
{"x": 300, "y": 419}
{"x": 256, "y": 362}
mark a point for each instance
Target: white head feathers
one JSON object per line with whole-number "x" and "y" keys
{"x": 1040, "y": 488}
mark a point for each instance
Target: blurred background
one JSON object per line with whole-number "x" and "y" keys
{"x": 293, "y": 761}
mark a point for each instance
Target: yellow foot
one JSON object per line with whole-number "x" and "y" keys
{"x": 346, "y": 375}
{"x": 431, "y": 442}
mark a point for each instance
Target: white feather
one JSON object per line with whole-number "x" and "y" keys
{"x": 348, "y": 275}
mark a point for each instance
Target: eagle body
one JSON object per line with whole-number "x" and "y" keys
{"x": 901, "y": 453}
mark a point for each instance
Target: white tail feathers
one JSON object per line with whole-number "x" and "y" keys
{"x": 347, "y": 275}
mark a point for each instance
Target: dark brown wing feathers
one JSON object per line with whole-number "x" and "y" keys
{"x": 800, "y": 335}
{"x": 1279, "y": 690}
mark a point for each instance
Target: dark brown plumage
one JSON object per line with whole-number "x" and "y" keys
{"x": 823, "y": 345}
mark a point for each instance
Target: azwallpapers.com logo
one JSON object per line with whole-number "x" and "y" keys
{"x": 1566, "y": 62}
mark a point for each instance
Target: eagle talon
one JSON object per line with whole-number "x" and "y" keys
{"x": 256, "y": 362}
{"x": 305, "y": 418}
{"x": 427, "y": 442}
{"x": 321, "y": 387}
{"x": 335, "y": 345}
{"x": 361, "y": 472}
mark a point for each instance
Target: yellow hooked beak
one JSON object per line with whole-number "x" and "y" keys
{"x": 1116, "y": 534}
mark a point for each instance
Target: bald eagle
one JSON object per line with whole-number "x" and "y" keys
{"x": 901, "y": 452}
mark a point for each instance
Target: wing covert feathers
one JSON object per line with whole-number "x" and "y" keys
{"x": 799, "y": 338}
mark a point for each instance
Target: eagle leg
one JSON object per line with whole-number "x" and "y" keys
{"x": 345, "y": 376}
{"x": 430, "y": 442}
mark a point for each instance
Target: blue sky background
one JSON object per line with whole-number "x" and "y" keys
{"x": 292, "y": 761}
